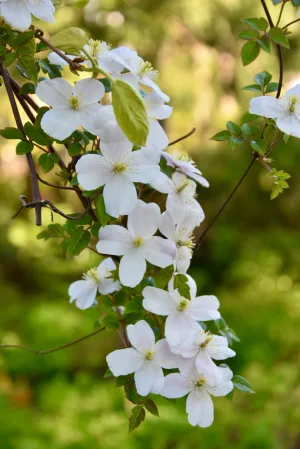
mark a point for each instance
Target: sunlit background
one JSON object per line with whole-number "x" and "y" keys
{"x": 250, "y": 260}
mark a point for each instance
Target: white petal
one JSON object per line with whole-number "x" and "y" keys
{"x": 141, "y": 336}
{"x": 87, "y": 113}
{"x": 178, "y": 327}
{"x": 93, "y": 171}
{"x": 218, "y": 349}
{"x": 204, "y": 308}
{"x": 108, "y": 286}
{"x": 163, "y": 355}
{"x": 175, "y": 386}
{"x": 162, "y": 183}
{"x": 60, "y": 123}
{"x": 294, "y": 91}
{"x": 120, "y": 196}
{"x": 157, "y": 138}
{"x": 156, "y": 107}
{"x": 147, "y": 378}
{"x": 200, "y": 408}
{"x": 183, "y": 259}
{"x": 160, "y": 252}
{"x": 89, "y": 90}
{"x": 84, "y": 292}
{"x": 124, "y": 361}
{"x": 221, "y": 389}
{"x": 114, "y": 240}
{"x": 158, "y": 301}
{"x": 106, "y": 266}
{"x": 289, "y": 124}
{"x": 132, "y": 269}
{"x": 266, "y": 106}
{"x": 159, "y": 382}
{"x": 144, "y": 219}
{"x": 16, "y": 14}
{"x": 145, "y": 167}
{"x": 55, "y": 92}
{"x": 167, "y": 225}
{"x": 43, "y": 10}
{"x": 55, "y": 59}
{"x": 191, "y": 283}
{"x": 208, "y": 368}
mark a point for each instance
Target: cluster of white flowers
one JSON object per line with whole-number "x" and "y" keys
{"x": 17, "y": 13}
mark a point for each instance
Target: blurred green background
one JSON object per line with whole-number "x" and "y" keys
{"x": 250, "y": 259}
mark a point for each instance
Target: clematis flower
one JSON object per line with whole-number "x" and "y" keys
{"x": 156, "y": 110}
{"x": 137, "y": 243}
{"x": 199, "y": 387}
{"x": 71, "y": 106}
{"x": 179, "y": 228}
{"x": 117, "y": 169}
{"x": 96, "y": 280}
{"x": 17, "y": 13}
{"x": 184, "y": 164}
{"x": 106, "y": 59}
{"x": 145, "y": 359}
{"x": 182, "y": 314}
{"x": 198, "y": 350}
{"x": 285, "y": 111}
{"x": 181, "y": 194}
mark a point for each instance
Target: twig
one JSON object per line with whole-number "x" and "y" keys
{"x": 183, "y": 137}
{"x": 279, "y": 51}
{"x": 55, "y": 186}
{"x": 34, "y": 181}
{"x": 289, "y": 24}
{"x": 43, "y": 352}
{"x": 281, "y": 11}
{"x": 39, "y": 34}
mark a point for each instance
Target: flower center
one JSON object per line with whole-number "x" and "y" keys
{"x": 138, "y": 241}
{"x": 183, "y": 186}
{"x": 293, "y": 100}
{"x": 208, "y": 338}
{"x": 147, "y": 69}
{"x": 183, "y": 305}
{"x": 200, "y": 382}
{"x": 93, "y": 275}
{"x": 97, "y": 47}
{"x": 74, "y": 102}
{"x": 190, "y": 243}
{"x": 149, "y": 355}
{"x": 120, "y": 168}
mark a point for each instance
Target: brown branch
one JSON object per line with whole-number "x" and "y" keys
{"x": 183, "y": 137}
{"x": 290, "y": 23}
{"x": 280, "y": 13}
{"x": 34, "y": 181}
{"x": 55, "y": 186}
{"x": 43, "y": 352}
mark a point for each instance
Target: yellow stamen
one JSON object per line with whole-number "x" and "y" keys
{"x": 183, "y": 305}
{"x": 199, "y": 383}
{"x": 138, "y": 241}
{"x": 147, "y": 69}
{"x": 92, "y": 274}
{"x": 74, "y": 102}
{"x": 120, "y": 168}
{"x": 293, "y": 100}
{"x": 149, "y": 355}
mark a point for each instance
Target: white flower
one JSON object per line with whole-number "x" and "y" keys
{"x": 146, "y": 359}
{"x": 285, "y": 111}
{"x": 181, "y": 194}
{"x": 106, "y": 59}
{"x": 179, "y": 228}
{"x": 199, "y": 387}
{"x": 182, "y": 163}
{"x": 200, "y": 348}
{"x": 17, "y": 13}
{"x": 71, "y": 106}
{"x": 183, "y": 314}
{"x": 96, "y": 280}
{"x": 137, "y": 243}
{"x": 156, "y": 110}
{"x": 118, "y": 168}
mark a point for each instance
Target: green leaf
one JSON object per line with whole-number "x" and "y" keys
{"x": 27, "y": 88}
{"x": 23, "y": 38}
{"x": 259, "y": 145}
{"x": 286, "y": 138}
{"x": 52, "y": 69}
{"x": 246, "y": 130}
{"x": 272, "y": 87}
{"x": 242, "y": 384}
{"x": 250, "y": 51}
{"x": 257, "y": 24}
{"x": 263, "y": 78}
{"x": 264, "y": 43}
{"x": 11, "y": 133}
{"x": 78, "y": 242}
{"x": 24, "y": 147}
{"x": 130, "y": 112}
{"x": 233, "y": 128}
{"x": 137, "y": 417}
{"x": 234, "y": 141}
{"x": 221, "y": 136}
{"x": 74, "y": 149}
{"x": 151, "y": 407}
{"x": 9, "y": 59}
{"x": 278, "y": 36}
{"x": 70, "y": 40}
{"x": 53, "y": 231}
{"x": 254, "y": 87}
{"x": 276, "y": 2}
{"x": 100, "y": 210}
{"x": 27, "y": 66}
{"x": 36, "y": 134}
{"x": 110, "y": 321}
{"x": 47, "y": 161}
{"x": 295, "y": 2}
{"x": 106, "y": 84}
{"x": 181, "y": 283}
{"x": 249, "y": 34}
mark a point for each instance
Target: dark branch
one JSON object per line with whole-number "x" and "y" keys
{"x": 183, "y": 137}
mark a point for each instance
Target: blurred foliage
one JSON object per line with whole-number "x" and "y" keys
{"x": 250, "y": 259}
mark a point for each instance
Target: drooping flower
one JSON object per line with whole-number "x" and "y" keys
{"x": 17, "y": 13}
{"x": 179, "y": 228}
{"x": 184, "y": 164}
{"x": 181, "y": 194}
{"x": 182, "y": 314}
{"x": 199, "y": 387}
{"x": 137, "y": 244}
{"x": 96, "y": 280}
{"x": 285, "y": 111}
{"x": 145, "y": 359}
{"x": 71, "y": 106}
{"x": 117, "y": 169}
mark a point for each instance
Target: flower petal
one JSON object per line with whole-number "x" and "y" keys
{"x": 141, "y": 336}
{"x": 144, "y": 219}
{"x": 89, "y": 90}
{"x": 43, "y": 10}
{"x": 16, "y": 14}
{"x": 178, "y": 327}
{"x": 114, "y": 240}
{"x": 124, "y": 361}
{"x": 158, "y": 301}
{"x": 157, "y": 138}
{"x": 162, "y": 183}
{"x": 86, "y": 113}
{"x": 266, "y": 106}
{"x": 191, "y": 283}
{"x": 84, "y": 292}
{"x": 132, "y": 269}
{"x": 218, "y": 349}
{"x": 160, "y": 252}
{"x": 60, "y": 123}
{"x": 175, "y": 386}
{"x": 147, "y": 377}
{"x": 55, "y": 92}
{"x": 200, "y": 408}
{"x": 120, "y": 196}
{"x": 204, "y": 308}
{"x": 163, "y": 355}
{"x": 93, "y": 171}
{"x": 105, "y": 267}
{"x": 289, "y": 124}
{"x": 145, "y": 166}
